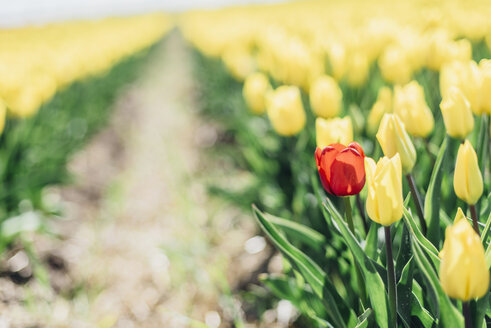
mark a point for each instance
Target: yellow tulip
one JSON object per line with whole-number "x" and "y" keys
{"x": 334, "y": 130}
{"x": 411, "y": 107}
{"x": 457, "y": 114}
{"x": 394, "y": 66}
{"x": 464, "y": 274}
{"x": 380, "y": 107}
{"x": 358, "y": 69}
{"x": 394, "y": 139}
{"x": 337, "y": 58}
{"x": 285, "y": 110}
{"x": 256, "y": 87}
{"x": 467, "y": 181}
{"x": 467, "y": 77}
{"x": 325, "y": 97}
{"x": 485, "y": 96}
{"x": 384, "y": 198}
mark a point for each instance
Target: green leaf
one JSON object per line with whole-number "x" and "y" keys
{"x": 299, "y": 232}
{"x": 363, "y": 319}
{"x": 373, "y": 281}
{"x": 418, "y": 311}
{"x": 313, "y": 274}
{"x": 371, "y": 245}
{"x": 404, "y": 293}
{"x": 482, "y": 305}
{"x": 448, "y": 314}
{"x": 432, "y": 199}
{"x": 429, "y": 248}
{"x": 484, "y": 234}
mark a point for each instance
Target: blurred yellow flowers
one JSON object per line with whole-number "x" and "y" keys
{"x": 457, "y": 114}
{"x": 285, "y": 110}
{"x": 410, "y": 105}
{"x": 394, "y": 139}
{"x": 256, "y": 88}
{"x": 384, "y": 180}
{"x": 334, "y": 130}
{"x": 325, "y": 97}
{"x": 485, "y": 67}
{"x": 380, "y": 107}
{"x": 464, "y": 274}
{"x": 467, "y": 181}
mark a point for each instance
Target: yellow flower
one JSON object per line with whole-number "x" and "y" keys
{"x": 325, "y": 97}
{"x": 384, "y": 181}
{"x": 457, "y": 114}
{"x": 256, "y": 86}
{"x": 485, "y": 67}
{"x": 467, "y": 181}
{"x": 380, "y": 107}
{"x": 285, "y": 110}
{"x": 394, "y": 139}
{"x": 411, "y": 107}
{"x": 464, "y": 274}
{"x": 358, "y": 69}
{"x": 334, "y": 130}
{"x": 467, "y": 77}
{"x": 394, "y": 66}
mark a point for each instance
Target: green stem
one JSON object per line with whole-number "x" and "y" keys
{"x": 391, "y": 279}
{"x": 359, "y": 276}
{"x": 466, "y": 311}
{"x": 359, "y": 204}
{"x": 474, "y": 218}
{"x": 417, "y": 202}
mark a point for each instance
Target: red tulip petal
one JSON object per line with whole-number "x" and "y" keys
{"x": 318, "y": 153}
{"x": 327, "y": 157}
{"x": 355, "y": 145}
{"x": 347, "y": 176}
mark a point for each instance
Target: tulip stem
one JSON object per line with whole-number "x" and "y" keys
{"x": 474, "y": 218}
{"x": 466, "y": 311}
{"x": 359, "y": 276}
{"x": 359, "y": 204}
{"x": 391, "y": 279}
{"x": 417, "y": 201}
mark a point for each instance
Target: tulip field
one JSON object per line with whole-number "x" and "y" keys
{"x": 344, "y": 146}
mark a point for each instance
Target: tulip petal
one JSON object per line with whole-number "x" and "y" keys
{"x": 347, "y": 173}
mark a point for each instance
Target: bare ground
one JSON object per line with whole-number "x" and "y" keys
{"x": 141, "y": 243}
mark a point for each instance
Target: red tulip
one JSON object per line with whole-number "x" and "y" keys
{"x": 341, "y": 168}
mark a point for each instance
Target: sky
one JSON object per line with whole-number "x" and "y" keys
{"x": 21, "y": 12}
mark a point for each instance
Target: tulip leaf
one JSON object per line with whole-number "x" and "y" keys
{"x": 313, "y": 274}
{"x": 418, "y": 311}
{"x": 372, "y": 241}
{"x": 363, "y": 319}
{"x": 299, "y": 232}
{"x": 483, "y": 144}
{"x": 484, "y": 234}
{"x": 404, "y": 292}
{"x": 374, "y": 282}
{"x": 488, "y": 256}
{"x": 420, "y": 239}
{"x": 432, "y": 199}
{"x": 448, "y": 314}
{"x": 481, "y": 305}
{"x": 303, "y": 299}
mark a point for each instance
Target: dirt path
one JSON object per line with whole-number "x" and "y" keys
{"x": 142, "y": 244}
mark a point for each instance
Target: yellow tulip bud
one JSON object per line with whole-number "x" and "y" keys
{"x": 325, "y": 97}
{"x": 384, "y": 197}
{"x": 358, "y": 69}
{"x": 337, "y": 58}
{"x": 394, "y": 66}
{"x": 256, "y": 86}
{"x": 410, "y": 105}
{"x": 457, "y": 114}
{"x": 485, "y": 67}
{"x": 334, "y": 130}
{"x": 464, "y": 274}
{"x": 394, "y": 139}
{"x": 380, "y": 107}
{"x": 467, "y": 77}
{"x": 467, "y": 181}
{"x": 285, "y": 110}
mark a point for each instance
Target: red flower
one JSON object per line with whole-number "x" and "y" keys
{"x": 341, "y": 168}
